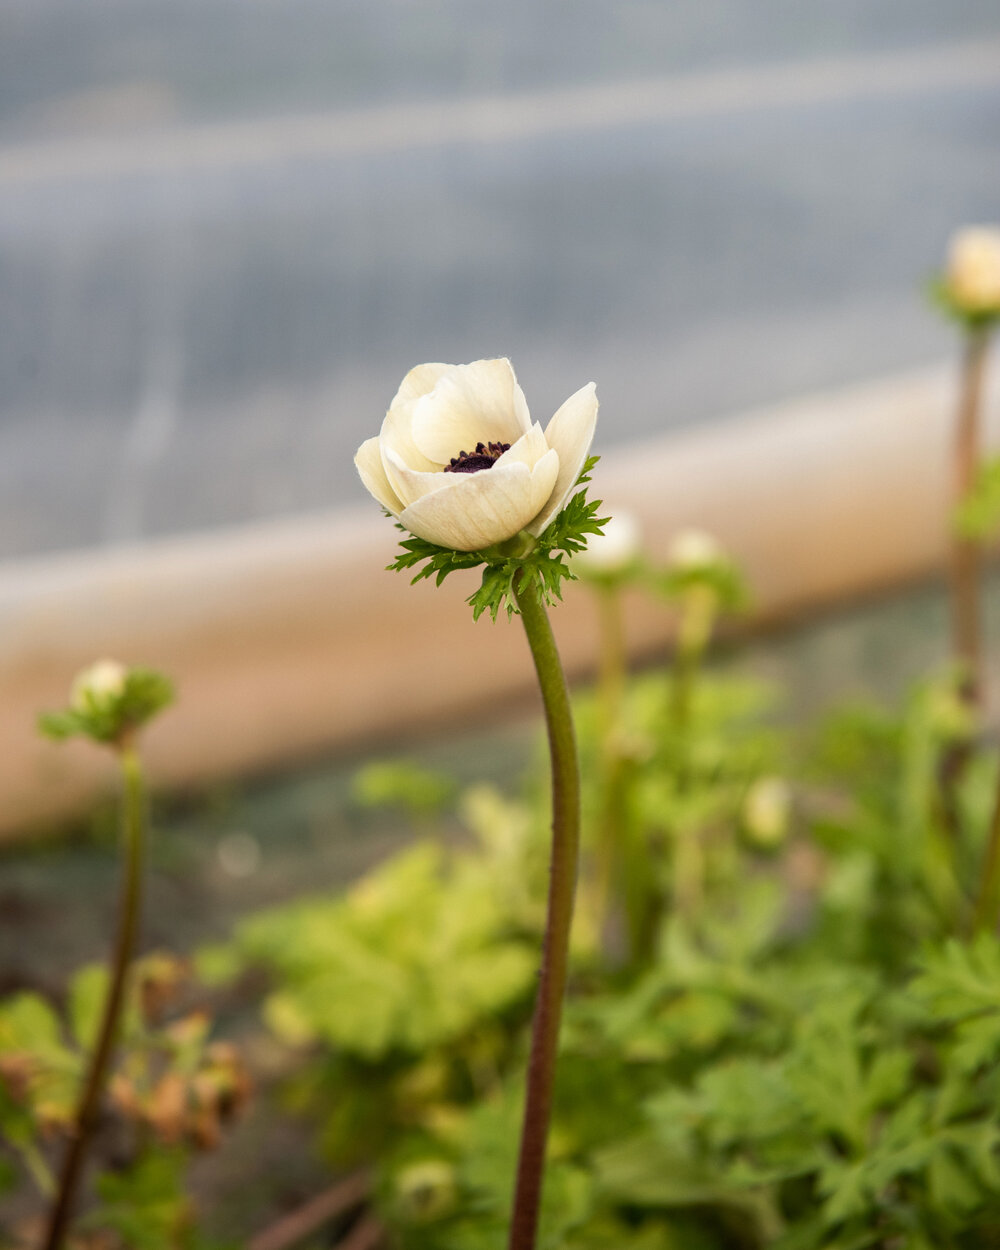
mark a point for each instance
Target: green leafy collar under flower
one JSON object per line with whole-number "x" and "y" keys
{"x": 542, "y": 558}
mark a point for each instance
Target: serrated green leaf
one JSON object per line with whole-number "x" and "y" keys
{"x": 542, "y": 559}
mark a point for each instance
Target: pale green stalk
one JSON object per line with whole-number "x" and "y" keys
{"x": 610, "y": 832}
{"x": 698, "y": 610}
{"x": 966, "y": 553}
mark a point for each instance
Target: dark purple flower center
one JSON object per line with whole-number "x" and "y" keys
{"x": 484, "y": 457}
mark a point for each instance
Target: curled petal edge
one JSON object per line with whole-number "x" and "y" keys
{"x": 368, "y": 462}
{"x": 569, "y": 433}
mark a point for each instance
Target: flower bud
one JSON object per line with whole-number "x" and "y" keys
{"x": 613, "y": 552}
{"x": 767, "y": 810}
{"x": 694, "y": 550}
{"x": 98, "y": 687}
{"x": 972, "y": 276}
{"x": 426, "y": 1190}
{"x": 108, "y": 703}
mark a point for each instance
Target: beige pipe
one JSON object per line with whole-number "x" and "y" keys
{"x": 289, "y": 638}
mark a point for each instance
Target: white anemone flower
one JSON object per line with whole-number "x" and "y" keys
{"x": 973, "y": 273}
{"x": 460, "y": 463}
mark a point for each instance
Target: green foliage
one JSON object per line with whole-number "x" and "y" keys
{"x": 782, "y": 1073}
{"x": 39, "y": 1071}
{"x": 146, "y": 1204}
{"x": 525, "y": 559}
{"x": 720, "y": 577}
{"x": 896, "y": 870}
{"x": 787, "y": 1047}
{"x": 364, "y": 974}
{"x": 170, "y": 1089}
{"x": 977, "y": 517}
{"x": 399, "y": 783}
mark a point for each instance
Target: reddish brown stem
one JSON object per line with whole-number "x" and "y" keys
{"x": 85, "y": 1120}
{"x": 562, "y": 888}
{"x": 307, "y": 1219}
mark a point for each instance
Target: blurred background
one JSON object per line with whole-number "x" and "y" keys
{"x": 229, "y": 227}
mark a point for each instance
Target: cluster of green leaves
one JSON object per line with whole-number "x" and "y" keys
{"x": 515, "y": 566}
{"x": 835, "y": 1117}
{"x": 397, "y": 783}
{"x": 807, "y": 1060}
{"x": 722, "y": 577}
{"x": 755, "y": 1095}
{"x": 108, "y": 719}
{"x": 768, "y": 1046}
{"x": 141, "y": 1198}
{"x": 900, "y": 872}
{"x": 406, "y": 991}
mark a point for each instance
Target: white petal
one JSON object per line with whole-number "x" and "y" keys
{"x": 419, "y": 381}
{"x": 543, "y": 480}
{"x": 397, "y": 434}
{"x": 369, "y": 464}
{"x": 570, "y": 433}
{"x": 477, "y": 403}
{"x": 412, "y": 484}
{"x": 528, "y": 449}
{"x": 482, "y": 508}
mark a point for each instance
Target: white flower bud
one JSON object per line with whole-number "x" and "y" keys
{"x": 427, "y": 1190}
{"x": 614, "y": 550}
{"x": 767, "y": 811}
{"x": 460, "y": 463}
{"x": 694, "y": 549}
{"x": 972, "y": 276}
{"x": 101, "y": 683}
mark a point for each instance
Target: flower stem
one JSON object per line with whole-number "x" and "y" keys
{"x": 562, "y": 886}
{"x": 87, "y": 1113}
{"x": 611, "y": 695}
{"x": 985, "y": 914}
{"x": 698, "y": 611}
{"x": 966, "y": 553}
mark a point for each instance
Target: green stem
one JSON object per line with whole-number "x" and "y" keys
{"x": 694, "y": 631}
{"x": 698, "y": 610}
{"x": 965, "y": 574}
{"x": 685, "y": 672}
{"x": 612, "y": 661}
{"x": 985, "y": 915}
{"x": 612, "y": 690}
{"x": 562, "y": 886}
{"x": 966, "y": 553}
{"x": 128, "y": 921}
{"x": 35, "y": 1162}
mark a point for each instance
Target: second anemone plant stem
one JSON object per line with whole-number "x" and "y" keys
{"x": 88, "y": 1110}
{"x": 985, "y": 913}
{"x": 611, "y": 697}
{"x": 966, "y": 554}
{"x": 562, "y": 888}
